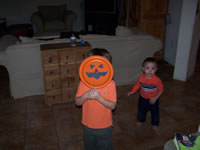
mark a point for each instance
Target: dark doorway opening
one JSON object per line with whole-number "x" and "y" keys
{"x": 4, "y": 82}
{"x": 197, "y": 66}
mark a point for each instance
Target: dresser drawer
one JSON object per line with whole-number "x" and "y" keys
{"x": 68, "y": 70}
{"x": 68, "y": 82}
{"x": 52, "y": 82}
{"x": 53, "y": 97}
{"x": 49, "y": 57}
{"x": 82, "y": 53}
{"x": 51, "y": 71}
{"x": 68, "y": 95}
{"x": 67, "y": 56}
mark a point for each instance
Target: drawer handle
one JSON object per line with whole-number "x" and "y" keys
{"x": 52, "y": 85}
{"x": 51, "y": 72}
{"x": 67, "y": 59}
{"x": 67, "y": 71}
{"x": 68, "y": 83}
{"x": 50, "y": 60}
{"x": 83, "y": 56}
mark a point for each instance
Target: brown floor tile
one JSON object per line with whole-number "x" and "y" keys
{"x": 39, "y": 118}
{"x": 41, "y": 136}
{"x": 13, "y": 140}
{"x": 12, "y": 106}
{"x": 36, "y": 103}
{"x": 41, "y": 147}
{"x": 71, "y": 145}
{"x": 69, "y": 129}
{"x": 65, "y": 113}
{"x": 12, "y": 122}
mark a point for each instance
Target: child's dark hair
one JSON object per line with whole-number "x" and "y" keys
{"x": 149, "y": 59}
{"x": 100, "y": 52}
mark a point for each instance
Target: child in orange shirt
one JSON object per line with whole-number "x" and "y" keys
{"x": 97, "y": 106}
{"x": 151, "y": 88}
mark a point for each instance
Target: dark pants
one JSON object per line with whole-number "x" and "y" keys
{"x": 97, "y": 139}
{"x": 144, "y": 106}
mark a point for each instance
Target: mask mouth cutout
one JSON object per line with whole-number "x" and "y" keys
{"x": 96, "y": 74}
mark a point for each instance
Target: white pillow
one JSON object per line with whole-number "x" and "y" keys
{"x": 123, "y": 31}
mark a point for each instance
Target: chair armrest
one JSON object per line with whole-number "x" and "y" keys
{"x": 37, "y": 19}
{"x": 69, "y": 19}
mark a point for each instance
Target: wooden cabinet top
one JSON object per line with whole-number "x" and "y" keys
{"x": 62, "y": 46}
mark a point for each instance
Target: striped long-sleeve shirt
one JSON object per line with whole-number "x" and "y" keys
{"x": 148, "y": 87}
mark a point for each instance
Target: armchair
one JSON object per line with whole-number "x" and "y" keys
{"x": 53, "y": 19}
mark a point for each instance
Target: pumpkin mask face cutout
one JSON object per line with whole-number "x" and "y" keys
{"x": 96, "y": 72}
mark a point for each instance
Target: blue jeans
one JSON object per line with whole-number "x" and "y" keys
{"x": 97, "y": 139}
{"x": 144, "y": 106}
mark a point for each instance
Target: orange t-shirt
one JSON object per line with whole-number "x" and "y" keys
{"x": 148, "y": 87}
{"x": 94, "y": 114}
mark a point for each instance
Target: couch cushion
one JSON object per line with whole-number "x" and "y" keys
{"x": 54, "y": 25}
{"x": 50, "y": 12}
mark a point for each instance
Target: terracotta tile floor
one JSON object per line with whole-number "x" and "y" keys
{"x": 29, "y": 124}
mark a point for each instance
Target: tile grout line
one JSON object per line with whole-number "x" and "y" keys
{"x": 25, "y": 121}
{"x": 54, "y": 118}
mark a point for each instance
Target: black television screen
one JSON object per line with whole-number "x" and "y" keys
{"x": 106, "y": 6}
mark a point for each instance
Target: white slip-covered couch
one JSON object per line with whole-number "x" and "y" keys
{"x": 128, "y": 48}
{"x": 23, "y": 63}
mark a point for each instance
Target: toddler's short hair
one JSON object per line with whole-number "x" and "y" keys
{"x": 100, "y": 52}
{"x": 149, "y": 59}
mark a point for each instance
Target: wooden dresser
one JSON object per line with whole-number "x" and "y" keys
{"x": 60, "y": 63}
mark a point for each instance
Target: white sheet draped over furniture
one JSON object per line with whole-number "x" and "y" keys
{"x": 128, "y": 49}
{"x": 23, "y": 63}
{"x": 23, "y": 60}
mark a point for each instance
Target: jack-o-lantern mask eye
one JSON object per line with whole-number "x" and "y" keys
{"x": 96, "y": 71}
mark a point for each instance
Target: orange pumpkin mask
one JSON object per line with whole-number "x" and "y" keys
{"x": 96, "y": 72}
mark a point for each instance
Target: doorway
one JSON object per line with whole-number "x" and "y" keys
{"x": 4, "y": 82}
{"x": 197, "y": 66}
